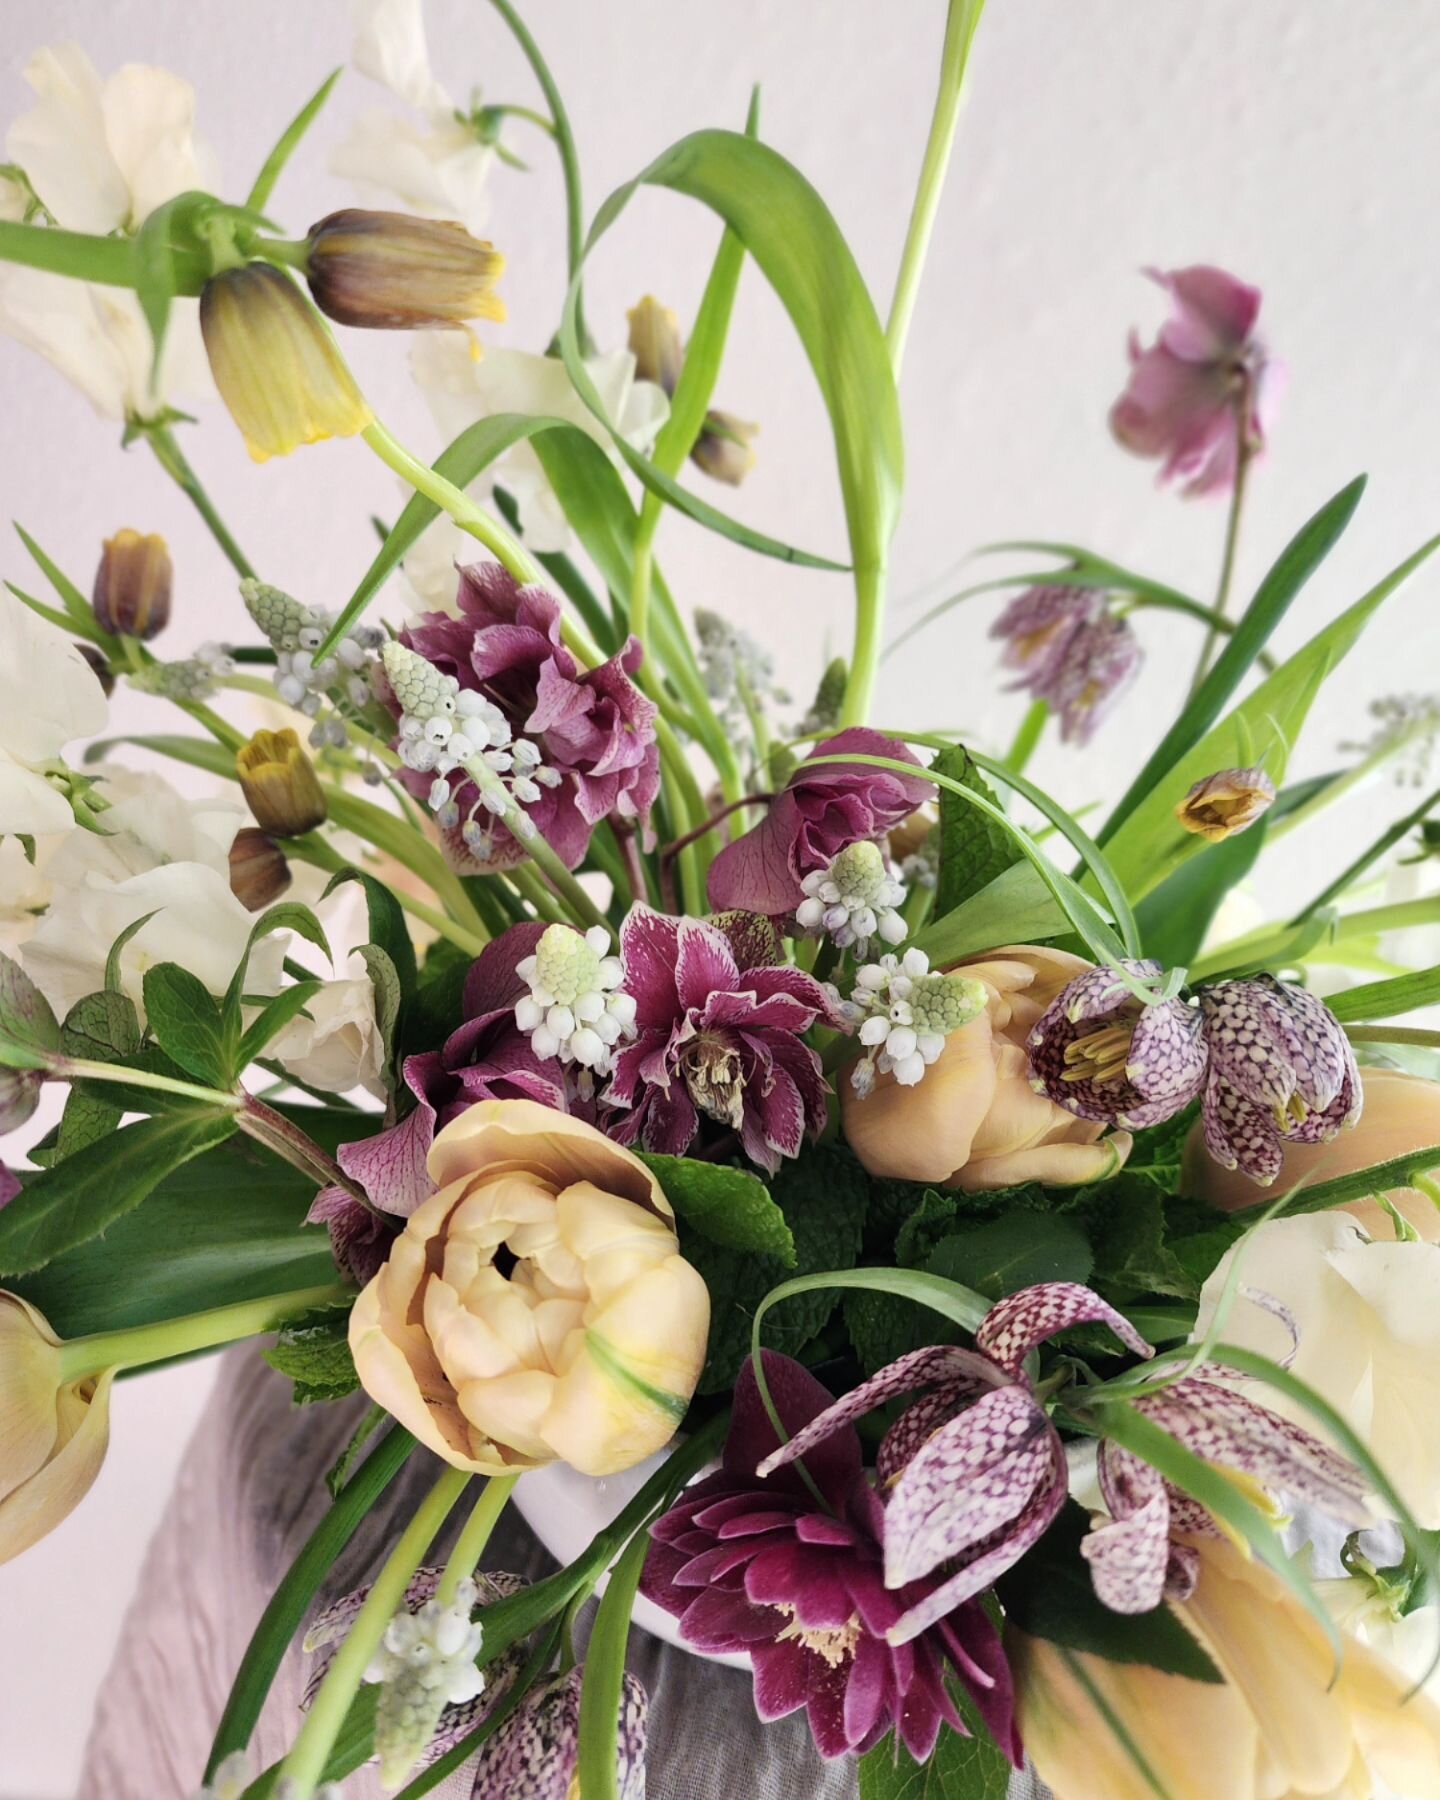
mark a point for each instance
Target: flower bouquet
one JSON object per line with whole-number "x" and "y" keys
{"x": 1011, "y": 1285}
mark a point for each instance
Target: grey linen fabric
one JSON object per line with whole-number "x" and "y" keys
{"x": 250, "y": 1491}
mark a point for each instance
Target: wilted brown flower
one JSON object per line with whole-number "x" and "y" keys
{"x": 1226, "y": 802}
{"x": 393, "y": 271}
{"x": 131, "y": 597}
{"x": 280, "y": 784}
{"x": 259, "y": 873}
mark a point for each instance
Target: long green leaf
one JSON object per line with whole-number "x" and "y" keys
{"x": 1015, "y": 908}
{"x": 788, "y": 230}
{"x": 1386, "y": 999}
{"x": 1297, "y": 562}
{"x": 286, "y": 144}
{"x": 961, "y": 1305}
{"x": 1150, "y": 844}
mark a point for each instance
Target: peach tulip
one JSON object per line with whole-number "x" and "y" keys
{"x": 536, "y": 1308}
{"x": 975, "y": 1122}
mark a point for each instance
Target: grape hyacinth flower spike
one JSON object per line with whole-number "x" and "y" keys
{"x": 1281, "y": 1071}
{"x": 853, "y": 900}
{"x": 1103, "y": 1054}
{"x": 576, "y": 1009}
{"x": 975, "y": 1470}
{"x": 905, "y": 1011}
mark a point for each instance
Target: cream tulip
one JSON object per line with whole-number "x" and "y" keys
{"x": 53, "y": 1431}
{"x": 1281, "y": 1726}
{"x": 974, "y": 1122}
{"x": 583, "y": 1347}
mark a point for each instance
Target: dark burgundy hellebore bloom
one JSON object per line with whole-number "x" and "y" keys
{"x": 819, "y": 812}
{"x": 762, "y": 1568}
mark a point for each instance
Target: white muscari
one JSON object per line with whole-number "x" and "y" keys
{"x": 234, "y": 1775}
{"x": 905, "y": 1013}
{"x": 445, "y": 727}
{"x": 190, "y": 679}
{"x": 735, "y": 669}
{"x": 853, "y": 900}
{"x": 295, "y": 632}
{"x": 576, "y": 1009}
{"x": 436, "y": 163}
{"x": 49, "y": 695}
{"x": 100, "y": 156}
{"x": 425, "y": 1662}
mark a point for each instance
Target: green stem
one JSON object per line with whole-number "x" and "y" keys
{"x": 1276, "y": 943}
{"x": 305, "y": 1763}
{"x": 1032, "y": 728}
{"x": 601, "y": 1694}
{"x": 565, "y": 144}
{"x": 1387, "y": 838}
{"x": 1244, "y": 452}
{"x": 518, "y": 822}
{"x": 69, "y": 1068}
{"x": 450, "y": 499}
{"x": 173, "y": 461}
{"x": 1352, "y": 778}
{"x": 960, "y": 26}
{"x": 1391, "y": 1034}
{"x": 475, "y": 1535}
{"x": 140, "y": 1344}
{"x": 283, "y": 1138}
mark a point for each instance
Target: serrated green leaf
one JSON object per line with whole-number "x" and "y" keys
{"x": 86, "y": 1119}
{"x": 102, "y": 1027}
{"x": 337, "y": 1476}
{"x": 959, "y": 1768}
{"x": 314, "y": 1352}
{"x": 79, "y": 1198}
{"x": 185, "y": 1021}
{"x": 1017, "y": 1250}
{"x": 728, "y": 1206}
{"x": 974, "y": 850}
{"x": 27, "y": 1022}
{"x": 1049, "y": 1594}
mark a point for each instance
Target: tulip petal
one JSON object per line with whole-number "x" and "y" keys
{"x": 34, "y": 1508}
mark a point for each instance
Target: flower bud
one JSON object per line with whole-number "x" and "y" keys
{"x": 1224, "y": 803}
{"x": 275, "y": 364}
{"x": 259, "y": 873}
{"x": 104, "y": 674}
{"x": 655, "y": 343}
{"x": 396, "y": 272}
{"x": 53, "y": 1432}
{"x": 724, "y": 448}
{"x": 132, "y": 585}
{"x": 280, "y": 785}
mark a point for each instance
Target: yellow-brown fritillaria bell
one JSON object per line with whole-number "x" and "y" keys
{"x": 131, "y": 597}
{"x": 280, "y": 785}
{"x": 393, "y": 271}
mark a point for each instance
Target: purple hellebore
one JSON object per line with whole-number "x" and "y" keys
{"x": 1072, "y": 652}
{"x": 975, "y": 1471}
{"x": 593, "y": 725}
{"x": 1185, "y": 394}
{"x": 758, "y": 1565}
{"x": 1281, "y": 1071}
{"x": 715, "y": 1038}
{"x": 817, "y": 814}
{"x": 488, "y": 1057}
{"x": 1134, "y": 1562}
{"x": 1104, "y": 1055}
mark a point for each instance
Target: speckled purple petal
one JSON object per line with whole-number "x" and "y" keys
{"x": 1015, "y": 1325}
{"x": 1167, "y": 1058}
{"x": 1239, "y": 1134}
{"x": 1319, "y": 1050}
{"x": 969, "y": 1481}
{"x": 957, "y": 1370}
{"x": 1129, "y": 1557}
{"x": 533, "y": 1754}
{"x": 1247, "y": 1046}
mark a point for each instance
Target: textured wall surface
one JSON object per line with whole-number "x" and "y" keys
{"x": 1293, "y": 141}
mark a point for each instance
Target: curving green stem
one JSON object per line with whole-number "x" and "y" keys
{"x": 173, "y": 461}
{"x": 475, "y": 1535}
{"x": 137, "y": 1345}
{"x": 305, "y": 1764}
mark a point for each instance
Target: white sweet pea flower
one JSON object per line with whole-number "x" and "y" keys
{"x": 1367, "y": 1315}
{"x": 101, "y": 156}
{"x": 461, "y": 389}
{"x": 49, "y": 695}
{"x": 339, "y": 1046}
{"x": 435, "y": 165}
{"x": 148, "y": 824}
{"x": 25, "y": 889}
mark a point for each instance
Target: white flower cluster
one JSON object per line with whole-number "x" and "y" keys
{"x": 906, "y": 1014}
{"x": 426, "y": 1662}
{"x": 736, "y": 670}
{"x": 234, "y": 1775}
{"x": 575, "y": 1009}
{"x": 190, "y": 679}
{"x": 853, "y": 900}
{"x": 443, "y": 728}
{"x": 295, "y": 632}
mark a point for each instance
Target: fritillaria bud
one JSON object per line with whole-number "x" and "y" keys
{"x": 280, "y": 785}
{"x": 396, "y": 272}
{"x": 104, "y": 674}
{"x": 275, "y": 364}
{"x": 725, "y": 448}
{"x": 132, "y": 585}
{"x": 259, "y": 873}
{"x": 53, "y": 1430}
{"x": 1222, "y": 804}
{"x": 655, "y": 343}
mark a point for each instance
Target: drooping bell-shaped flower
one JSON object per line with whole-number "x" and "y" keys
{"x": 393, "y": 271}
{"x": 1225, "y": 803}
{"x": 131, "y": 597}
{"x": 976, "y": 1472}
{"x": 1281, "y": 1070}
{"x": 535, "y": 1754}
{"x": 1071, "y": 651}
{"x": 1101, "y": 1053}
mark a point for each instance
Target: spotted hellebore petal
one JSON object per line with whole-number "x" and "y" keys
{"x": 533, "y": 1756}
{"x": 1102, "y": 1054}
{"x": 1281, "y": 1070}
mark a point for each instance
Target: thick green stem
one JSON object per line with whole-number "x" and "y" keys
{"x": 1352, "y": 778}
{"x": 960, "y": 26}
{"x": 69, "y": 1068}
{"x": 601, "y": 1694}
{"x": 475, "y": 1535}
{"x": 1032, "y": 728}
{"x": 1386, "y": 840}
{"x": 305, "y": 1764}
{"x": 140, "y": 1344}
{"x": 173, "y": 461}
